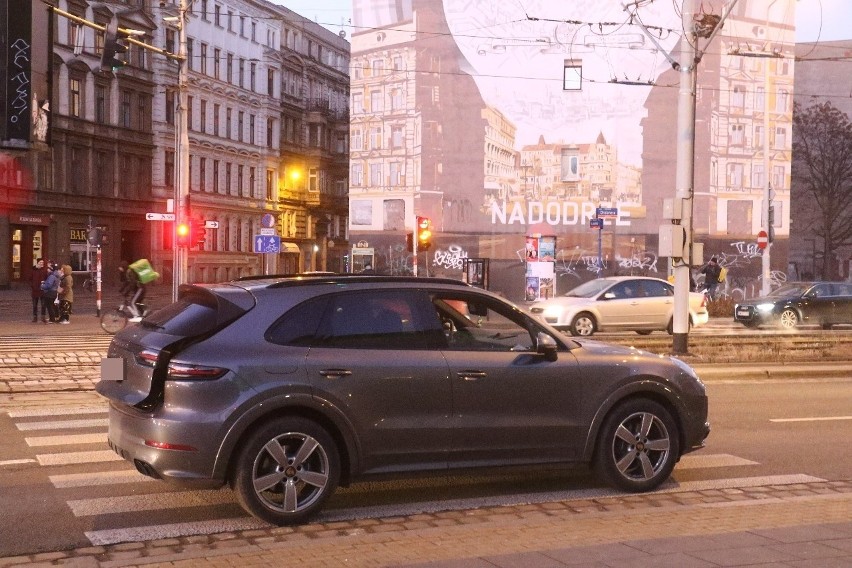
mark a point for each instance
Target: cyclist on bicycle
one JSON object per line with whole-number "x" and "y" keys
{"x": 133, "y": 288}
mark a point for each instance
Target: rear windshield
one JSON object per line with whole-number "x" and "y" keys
{"x": 200, "y": 310}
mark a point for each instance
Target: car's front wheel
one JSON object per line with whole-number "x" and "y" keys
{"x": 788, "y": 319}
{"x": 583, "y": 324}
{"x": 286, "y": 471}
{"x": 638, "y": 446}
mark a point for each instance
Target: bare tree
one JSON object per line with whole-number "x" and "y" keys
{"x": 822, "y": 178}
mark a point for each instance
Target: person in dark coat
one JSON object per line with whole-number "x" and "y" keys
{"x": 39, "y": 275}
{"x": 66, "y": 294}
{"x": 50, "y": 291}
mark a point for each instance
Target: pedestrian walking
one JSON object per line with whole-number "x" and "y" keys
{"x": 39, "y": 275}
{"x": 66, "y": 294}
{"x": 50, "y": 292}
{"x": 711, "y": 272}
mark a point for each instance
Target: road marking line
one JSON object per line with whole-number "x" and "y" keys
{"x": 174, "y": 530}
{"x": 61, "y": 424}
{"x": 98, "y": 478}
{"x": 70, "y": 458}
{"x": 17, "y": 462}
{"x": 811, "y": 419}
{"x": 150, "y": 502}
{"x": 57, "y": 412}
{"x": 700, "y": 461}
{"x": 63, "y": 440}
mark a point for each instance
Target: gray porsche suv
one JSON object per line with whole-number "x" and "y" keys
{"x": 288, "y": 387}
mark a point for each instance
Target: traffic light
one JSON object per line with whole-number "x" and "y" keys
{"x": 198, "y": 233}
{"x": 96, "y": 236}
{"x": 115, "y": 46}
{"x": 184, "y": 230}
{"x": 424, "y": 233}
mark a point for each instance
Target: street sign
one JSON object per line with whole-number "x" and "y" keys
{"x": 606, "y": 212}
{"x": 267, "y": 243}
{"x": 267, "y": 220}
{"x": 160, "y": 216}
{"x": 762, "y": 240}
{"x": 267, "y": 231}
{"x": 211, "y": 224}
{"x": 596, "y": 223}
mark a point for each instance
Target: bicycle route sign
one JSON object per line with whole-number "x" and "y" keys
{"x": 267, "y": 243}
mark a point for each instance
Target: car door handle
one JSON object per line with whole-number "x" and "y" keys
{"x": 335, "y": 373}
{"x": 471, "y": 375}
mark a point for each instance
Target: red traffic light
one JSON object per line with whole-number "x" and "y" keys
{"x": 199, "y": 233}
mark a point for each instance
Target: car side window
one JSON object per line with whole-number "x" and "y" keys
{"x": 298, "y": 326}
{"x": 478, "y": 323}
{"x": 624, "y": 290}
{"x": 656, "y": 289}
{"x": 381, "y": 319}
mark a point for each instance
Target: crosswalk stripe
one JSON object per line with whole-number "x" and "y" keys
{"x": 61, "y": 424}
{"x": 173, "y": 530}
{"x": 69, "y": 480}
{"x": 701, "y": 461}
{"x": 62, "y": 440}
{"x": 70, "y": 458}
{"x": 36, "y": 412}
{"x": 150, "y": 502}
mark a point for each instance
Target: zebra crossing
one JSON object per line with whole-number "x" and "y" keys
{"x": 114, "y": 503}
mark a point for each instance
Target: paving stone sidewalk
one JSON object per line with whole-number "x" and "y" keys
{"x": 801, "y": 525}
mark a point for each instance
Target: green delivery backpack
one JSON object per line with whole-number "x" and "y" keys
{"x": 144, "y": 270}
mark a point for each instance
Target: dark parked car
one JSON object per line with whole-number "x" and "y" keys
{"x": 285, "y": 388}
{"x": 799, "y": 303}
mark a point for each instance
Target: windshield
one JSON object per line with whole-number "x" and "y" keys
{"x": 590, "y": 289}
{"x": 789, "y": 290}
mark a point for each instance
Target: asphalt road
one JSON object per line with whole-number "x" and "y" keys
{"x": 67, "y": 489}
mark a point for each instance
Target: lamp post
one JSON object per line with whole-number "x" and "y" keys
{"x": 181, "y": 254}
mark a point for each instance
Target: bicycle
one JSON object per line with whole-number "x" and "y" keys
{"x": 89, "y": 283}
{"x": 113, "y": 321}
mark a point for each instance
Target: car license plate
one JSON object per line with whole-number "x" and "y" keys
{"x": 744, "y": 313}
{"x": 112, "y": 369}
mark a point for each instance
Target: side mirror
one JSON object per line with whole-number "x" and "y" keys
{"x": 546, "y": 345}
{"x": 608, "y": 296}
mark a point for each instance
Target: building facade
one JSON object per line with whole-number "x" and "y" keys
{"x": 586, "y": 99}
{"x": 268, "y": 126}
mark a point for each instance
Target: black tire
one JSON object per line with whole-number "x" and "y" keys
{"x": 638, "y": 446}
{"x": 286, "y": 471}
{"x": 113, "y": 321}
{"x": 583, "y": 325}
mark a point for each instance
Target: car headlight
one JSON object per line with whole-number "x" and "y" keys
{"x": 765, "y": 307}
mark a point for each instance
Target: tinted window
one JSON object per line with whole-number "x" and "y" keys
{"x": 627, "y": 289}
{"x": 298, "y": 326}
{"x": 381, "y": 319}
{"x": 189, "y": 316}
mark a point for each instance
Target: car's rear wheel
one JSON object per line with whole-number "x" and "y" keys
{"x": 788, "y": 319}
{"x": 286, "y": 471}
{"x": 113, "y": 321}
{"x": 583, "y": 324}
{"x": 638, "y": 446}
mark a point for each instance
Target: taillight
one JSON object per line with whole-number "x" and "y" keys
{"x": 185, "y": 371}
{"x": 170, "y": 446}
{"x": 147, "y": 358}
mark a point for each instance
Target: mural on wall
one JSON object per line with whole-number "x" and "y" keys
{"x": 501, "y": 118}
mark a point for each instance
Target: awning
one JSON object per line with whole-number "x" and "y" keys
{"x": 290, "y": 248}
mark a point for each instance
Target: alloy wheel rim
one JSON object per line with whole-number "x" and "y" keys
{"x": 641, "y": 446}
{"x": 291, "y": 472}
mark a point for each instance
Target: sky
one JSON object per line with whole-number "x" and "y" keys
{"x": 823, "y": 20}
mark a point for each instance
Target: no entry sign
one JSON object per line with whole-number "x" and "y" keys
{"x": 762, "y": 240}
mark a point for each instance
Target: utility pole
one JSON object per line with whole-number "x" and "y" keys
{"x": 181, "y": 254}
{"x": 685, "y": 175}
